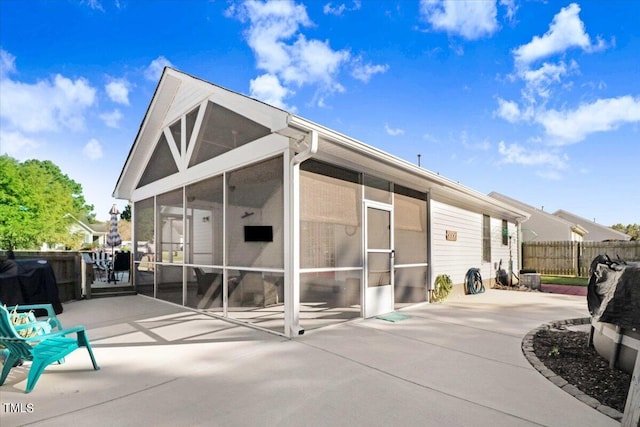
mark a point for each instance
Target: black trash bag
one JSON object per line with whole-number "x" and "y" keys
{"x": 613, "y": 295}
{"x": 502, "y": 277}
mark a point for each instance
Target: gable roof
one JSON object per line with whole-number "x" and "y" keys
{"x": 96, "y": 228}
{"x": 178, "y": 93}
{"x": 545, "y": 221}
{"x": 598, "y": 232}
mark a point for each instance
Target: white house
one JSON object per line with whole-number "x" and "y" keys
{"x": 261, "y": 216}
{"x": 597, "y": 232}
{"x": 89, "y": 235}
{"x": 543, "y": 226}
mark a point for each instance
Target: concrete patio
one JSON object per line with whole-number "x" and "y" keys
{"x": 453, "y": 364}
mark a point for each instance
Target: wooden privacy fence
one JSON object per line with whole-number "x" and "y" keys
{"x": 573, "y": 258}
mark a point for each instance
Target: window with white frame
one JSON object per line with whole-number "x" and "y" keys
{"x": 486, "y": 238}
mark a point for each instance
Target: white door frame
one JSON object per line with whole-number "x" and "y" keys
{"x": 377, "y": 299}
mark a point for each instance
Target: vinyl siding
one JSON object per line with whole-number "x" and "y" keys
{"x": 454, "y": 258}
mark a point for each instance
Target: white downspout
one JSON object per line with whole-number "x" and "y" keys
{"x": 310, "y": 151}
{"x": 292, "y": 310}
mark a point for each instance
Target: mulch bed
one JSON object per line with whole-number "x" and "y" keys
{"x": 567, "y": 354}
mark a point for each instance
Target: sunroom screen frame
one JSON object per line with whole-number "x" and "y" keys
{"x": 295, "y": 139}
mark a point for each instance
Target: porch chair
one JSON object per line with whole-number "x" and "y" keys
{"x": 101, "y": 265}
{"x": 205, "y": 280}
{"x": 42, "y": 350}
{"x": 31, "y": 312}
{"x": 121, "y": 264}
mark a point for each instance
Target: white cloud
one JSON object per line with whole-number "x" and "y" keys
{"x": 7, "y": 63}
{"x": 483, "y": 145}
{"x": 47, "y": 105}
{"x": 549, "y": 174}
{"x": 540, "y": 82}
{"x": 270, "y": 25}
{"x": 566, "y": 31}
{"x": 430, "y": 138}
{"x": 511, "y": 7}
{"x": 517, "y": 154}
{"x": 267, "y": 88}
{"x": 93, "y": 150}
{"x": 17, "y": 145}
{"x": 469, "y": 19}
{"x": 282, "y": 51}
{"x": 118, "y": 91}
{"x": 93, "y": 4}
{"x": 364, "y": 72}
{"x": 112, "y": 119}
{"x": 97, "y": 4}
{"x": 313, "y": 61}
{"x": 329, "y": 9}
{"x": 154, "y": 71}
{"x": 508, "y": 110}
{"x": 393, "y": 132}
{"x": 571, "y": 126}
{"x": 560, "y": 126}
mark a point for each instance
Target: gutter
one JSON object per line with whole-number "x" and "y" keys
{"x": 381, "y": 156}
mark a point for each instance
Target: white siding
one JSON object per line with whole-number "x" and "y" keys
{"x": 203, "y": 241}
{"x": 454, "y": 258}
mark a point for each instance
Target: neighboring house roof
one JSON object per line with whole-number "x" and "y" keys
{"x": 178, "y": 91}
{"x": 97, "y": 228}
{"x": 544, "y": 226}
{"x": 597, "y": 232}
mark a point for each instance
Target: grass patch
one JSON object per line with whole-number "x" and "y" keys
{"x": 565, "y": 280}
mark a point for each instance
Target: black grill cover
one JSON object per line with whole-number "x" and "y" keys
{"x": 614, "y": 292}
{"x": 29, "y": 281}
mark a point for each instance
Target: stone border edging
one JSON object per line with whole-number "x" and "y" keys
{"x": 527, "y": 349}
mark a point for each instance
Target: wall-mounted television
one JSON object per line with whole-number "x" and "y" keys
{"x": 258, "y": 233}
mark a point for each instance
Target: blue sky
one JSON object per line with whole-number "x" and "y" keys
{"x": 537, "y": 100}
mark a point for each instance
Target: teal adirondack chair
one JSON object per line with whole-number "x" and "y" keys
{"x": 42, "y": 349}
{"x": 52, "y": 321}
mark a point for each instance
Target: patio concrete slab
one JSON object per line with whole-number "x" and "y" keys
{"x": 454, "y": 364}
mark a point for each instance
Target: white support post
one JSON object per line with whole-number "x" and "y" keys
{"x": 292, "y": 269}
{"x": 292, "y": 311}
{"x": 631, "y": 416}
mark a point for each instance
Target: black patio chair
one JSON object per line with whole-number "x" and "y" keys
{"x": 100, "y": 265}
{"x": 121, "y": 264}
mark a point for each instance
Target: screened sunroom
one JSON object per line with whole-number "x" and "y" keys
{"x": 248, "y": 212}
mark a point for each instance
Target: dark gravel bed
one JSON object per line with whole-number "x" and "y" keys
{"x": 566, "y": 353}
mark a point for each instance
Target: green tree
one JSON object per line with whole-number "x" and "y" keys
{"x": 632, "y": 230}
{"x": 35, "y": 198}
{"x": 126, "y": 213}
